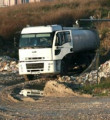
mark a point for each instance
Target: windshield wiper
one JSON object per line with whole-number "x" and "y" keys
{"x": 38, "y": 46}
{"x": 29, "y": 47}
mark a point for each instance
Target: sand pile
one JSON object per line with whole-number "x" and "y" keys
{"x": 54, "y": 88}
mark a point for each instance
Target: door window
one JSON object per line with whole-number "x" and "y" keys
{"x": 62, "y": 38}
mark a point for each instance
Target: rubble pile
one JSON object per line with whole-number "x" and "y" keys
{"x": 8, "y": 64}
{"x": 104, "y": 70}
{"x": 92, "y": 77}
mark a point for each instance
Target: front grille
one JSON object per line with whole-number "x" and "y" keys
{"x": 35, "y": 65}
{"x": 34, "y": 58}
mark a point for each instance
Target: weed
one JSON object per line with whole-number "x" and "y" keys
{"x": 101, "y": 89}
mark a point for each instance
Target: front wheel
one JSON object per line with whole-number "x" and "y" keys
{"x": 64, "y": 69}
{"x": 28, "y": 77}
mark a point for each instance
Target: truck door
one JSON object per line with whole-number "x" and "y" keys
{"x": 62, "y": 44}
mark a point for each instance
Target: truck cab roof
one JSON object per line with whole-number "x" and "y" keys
{"x": 41, "y": 29}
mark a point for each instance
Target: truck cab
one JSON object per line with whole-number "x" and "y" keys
{"x": 42, "y": 48}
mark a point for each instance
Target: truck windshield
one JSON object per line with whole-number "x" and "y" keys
{"x": 36, "y": 40}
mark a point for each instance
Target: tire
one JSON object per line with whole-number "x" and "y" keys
{"x": 28, "y": 77}
{"x": 64, "y": 70}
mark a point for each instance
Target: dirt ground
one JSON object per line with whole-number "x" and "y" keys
{"x": 49, "y": 107}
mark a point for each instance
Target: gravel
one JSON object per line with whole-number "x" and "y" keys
{"x": 49, "y": 108}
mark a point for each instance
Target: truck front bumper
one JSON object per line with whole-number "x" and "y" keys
{"x": 41, "y": 67}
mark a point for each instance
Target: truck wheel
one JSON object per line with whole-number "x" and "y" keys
{"x": 63, "y": 68}
{"x": 28, "y": 77}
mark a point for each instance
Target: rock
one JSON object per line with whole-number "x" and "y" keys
{"x": 64, "y": 79}
{"x": 7, "y": 68}
{"x": 8, "y": 64}
{"x": 94, "y": 76}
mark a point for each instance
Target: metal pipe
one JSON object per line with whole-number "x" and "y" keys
{"x": 95, "y": 20}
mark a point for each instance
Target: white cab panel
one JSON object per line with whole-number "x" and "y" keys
{"x": 35, "y": 54}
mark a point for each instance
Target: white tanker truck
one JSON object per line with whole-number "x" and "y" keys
{"x": 54, "y": 49}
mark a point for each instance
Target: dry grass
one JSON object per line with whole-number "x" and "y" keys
{"x": 64, "y": 12}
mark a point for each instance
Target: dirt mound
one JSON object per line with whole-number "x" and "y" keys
{"x": 54, "y": 88}
{"x": 28, "y": 99}
{"x": 9, "y": 97}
